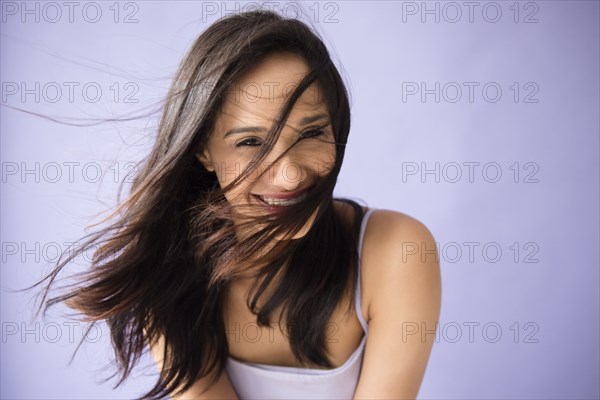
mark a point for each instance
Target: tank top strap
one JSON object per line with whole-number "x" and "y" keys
{"x": 357, "y": 296}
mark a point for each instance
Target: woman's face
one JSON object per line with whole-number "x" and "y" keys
{"x": 250, "y": 109}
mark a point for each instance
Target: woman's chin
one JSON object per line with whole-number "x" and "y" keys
{"x": 302, "y": 232}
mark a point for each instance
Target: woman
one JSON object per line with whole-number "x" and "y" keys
{"x": 231, "y": 259}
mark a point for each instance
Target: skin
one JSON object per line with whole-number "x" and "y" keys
{"x": 255, "y": 101}
{"x": 400, "y": 290}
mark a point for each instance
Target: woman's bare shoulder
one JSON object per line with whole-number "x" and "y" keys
{"x": 402, "y": 296}
{"x": 388, "y": 226}
{"x": 397, "y": 248}
{"x": 391, "y": 228}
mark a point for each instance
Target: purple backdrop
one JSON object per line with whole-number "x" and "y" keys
{"x": 481, "y": 119}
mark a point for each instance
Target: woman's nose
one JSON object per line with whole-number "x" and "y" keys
{"x": 286, "y": 173}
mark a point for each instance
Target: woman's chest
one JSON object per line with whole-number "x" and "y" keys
{"x": 249, "y": 342}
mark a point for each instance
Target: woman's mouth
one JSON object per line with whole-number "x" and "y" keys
{"x": 281, "y": 202}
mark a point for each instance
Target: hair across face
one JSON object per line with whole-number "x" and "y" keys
{"x": 303, "y": 152}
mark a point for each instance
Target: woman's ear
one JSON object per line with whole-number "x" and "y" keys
{"x": 205, "y": 159}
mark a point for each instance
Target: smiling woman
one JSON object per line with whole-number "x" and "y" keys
{"x": 303, "y": 153}
{"x": 231, "y": 260}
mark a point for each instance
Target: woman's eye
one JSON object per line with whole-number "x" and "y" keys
{"x": 313, "y": 133}
{"x": 248, "y": 142}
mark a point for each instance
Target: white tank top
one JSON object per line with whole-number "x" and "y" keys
{"x": 263, "y": 381}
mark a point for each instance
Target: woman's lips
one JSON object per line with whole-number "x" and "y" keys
{"x": 285, "y": 195}
{"x": 279, "y": 201}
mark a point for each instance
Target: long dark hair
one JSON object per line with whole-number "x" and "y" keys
{"x": 162, "y": 267}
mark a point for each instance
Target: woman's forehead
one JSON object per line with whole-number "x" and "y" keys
{"x": 271, "y": 81}
{"x": 264, "y": 116}
{"x": 261, "y": 93}
{"x": 277, "y": 69}
{"x": 247, "y": 106}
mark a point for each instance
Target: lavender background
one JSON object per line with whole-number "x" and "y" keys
{"x": 541, "y": 291}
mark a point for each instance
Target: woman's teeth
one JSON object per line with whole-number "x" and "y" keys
{"x": 283, "y": 202}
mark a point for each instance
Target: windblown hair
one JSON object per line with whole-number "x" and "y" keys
{"x": 161, "y": 269}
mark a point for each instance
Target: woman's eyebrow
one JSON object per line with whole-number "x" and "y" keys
{"x": 314, "y": 118}
{"x": 253, "y": 129}
{"x": 258, "y": 129}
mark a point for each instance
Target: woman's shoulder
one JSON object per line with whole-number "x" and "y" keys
{"x": 396, "y": 248}
{"x": 388, "y": 226}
